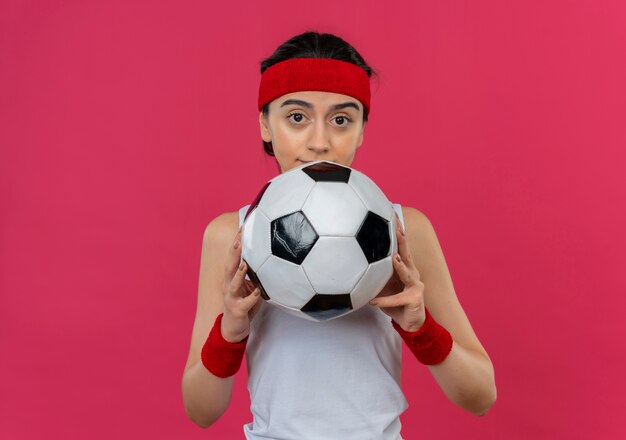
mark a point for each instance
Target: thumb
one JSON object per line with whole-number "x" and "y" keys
{"x": 249, "y": 301}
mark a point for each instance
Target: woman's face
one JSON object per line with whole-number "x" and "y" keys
{"x": 309, "y": 126}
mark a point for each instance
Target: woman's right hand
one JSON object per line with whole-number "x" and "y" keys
{"x": 241, "y": 298}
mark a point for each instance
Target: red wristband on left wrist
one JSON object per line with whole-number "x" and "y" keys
{"x": 431, "y": 343}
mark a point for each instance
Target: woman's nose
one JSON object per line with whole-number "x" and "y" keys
{"x": 319, "y": 140}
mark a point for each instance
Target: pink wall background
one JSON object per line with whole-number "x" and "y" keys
{"x": 126, "y": 126}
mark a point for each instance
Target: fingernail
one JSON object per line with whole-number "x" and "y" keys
{"x": 236, "y": 245}
{"x": 257, "y": 291}
{"x": 398, "y": 259}
{"x": 241, "y": 265}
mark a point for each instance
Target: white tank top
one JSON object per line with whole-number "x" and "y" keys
{"x": 338, "y": 379}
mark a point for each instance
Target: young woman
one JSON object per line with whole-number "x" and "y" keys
{"x": 338, "y": 379}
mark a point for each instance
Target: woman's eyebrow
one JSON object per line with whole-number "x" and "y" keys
{"x": 309, "y": 105}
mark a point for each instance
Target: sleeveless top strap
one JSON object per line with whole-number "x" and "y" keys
{"x": 398, "y": 208}
{"x": 242, "y": 213}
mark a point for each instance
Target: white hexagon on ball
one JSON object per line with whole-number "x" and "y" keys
{"x": 295, "y": 293}
{"x": 334, "y": 209}
{"x": 372, "y": 282}
{"x": 286, "y": 197}
{"x": 371, "y": 195}
{"x": 335, "y": 265}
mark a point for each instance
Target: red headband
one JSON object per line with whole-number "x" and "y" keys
{"x": 320, "y": 74}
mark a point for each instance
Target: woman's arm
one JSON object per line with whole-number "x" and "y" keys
{"x": 206, "y": 396}
{"x": 466, "y": 376}
{"x": 421, "y": 279}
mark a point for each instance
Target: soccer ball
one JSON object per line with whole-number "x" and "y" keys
{"x": 318, "y": 240}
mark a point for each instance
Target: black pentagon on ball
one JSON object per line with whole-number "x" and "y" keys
{"x": 256, "y": 281}
{"x": 256, "y": 200}
{"x": 328, "y": 172}
{"x": 324, "y": 307}
{"x": 292, "y": 237}
{"x": 373, "y": 237}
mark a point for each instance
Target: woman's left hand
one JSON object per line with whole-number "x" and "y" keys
{"x": 406, "y": 307}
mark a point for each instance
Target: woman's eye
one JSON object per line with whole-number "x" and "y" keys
{"x": 342, "y": 120}
{"x": 298, "y": 117}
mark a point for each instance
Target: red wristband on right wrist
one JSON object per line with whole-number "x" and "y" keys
{"x": 220, "y": 357}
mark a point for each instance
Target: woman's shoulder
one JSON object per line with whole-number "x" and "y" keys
{"x": 418, "y": 227}
{"x": 222, "y": 228}
{"x": 412, "y": 215}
